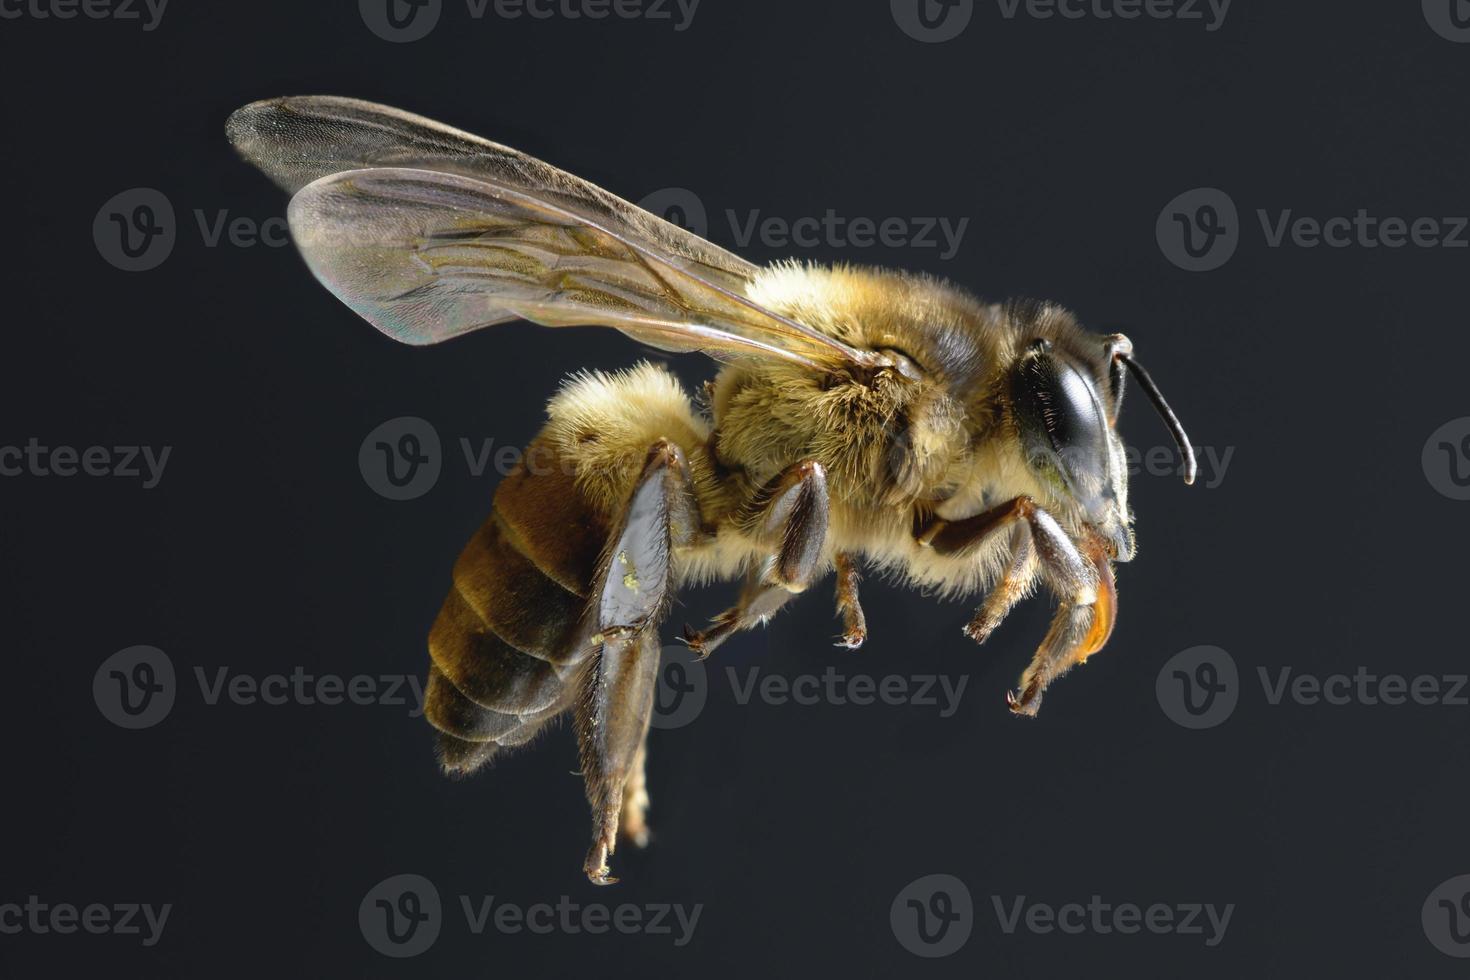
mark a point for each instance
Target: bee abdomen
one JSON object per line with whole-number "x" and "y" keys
{"x": 506, "y": 646}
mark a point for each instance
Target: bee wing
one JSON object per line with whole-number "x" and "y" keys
{"x": 297, "y": 140}
{"x": 431, "y": 232}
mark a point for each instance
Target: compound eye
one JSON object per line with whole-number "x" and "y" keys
{"x": 1061, "y": 420}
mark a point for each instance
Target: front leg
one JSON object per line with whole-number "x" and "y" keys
{"x": 791, "y": 512}
{"x": 1083, "y": 583}
{"x": 619, "y": 681}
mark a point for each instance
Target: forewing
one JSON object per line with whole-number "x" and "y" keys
{"x": 439, "y": 232}
{"x": 300, "y": 139}
{"x": 425, "y": 256}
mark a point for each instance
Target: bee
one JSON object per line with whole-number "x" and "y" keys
{"x": 863, "y": 419}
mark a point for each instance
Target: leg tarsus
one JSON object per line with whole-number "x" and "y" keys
{"x": 854, "y": 623}
{"x": 758, "y": 602}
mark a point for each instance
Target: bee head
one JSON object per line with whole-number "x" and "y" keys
{"x": 1065, "y": 405}
{"x": 1068, "y": 440}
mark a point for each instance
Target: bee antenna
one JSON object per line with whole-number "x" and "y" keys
{"x": 1165, "y": 412}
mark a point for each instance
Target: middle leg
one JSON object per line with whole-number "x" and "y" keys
{"x": 792, "y": 513}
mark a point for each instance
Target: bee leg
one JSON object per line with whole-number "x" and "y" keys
{"x": 758, "y": 602}
{"x": 854, "y": 623}
{"x": 1084, "y": 585}
{"x": 793, "y": 509}
{"x": 1084, "y": 618}
{"x": 612, "y": 723}
{"x": 618, "y": 683}
{"x": 1014, "y": 583}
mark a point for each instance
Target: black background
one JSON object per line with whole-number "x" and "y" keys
{"x": 1324, "y": 548}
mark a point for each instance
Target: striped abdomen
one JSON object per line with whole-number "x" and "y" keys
{"x": 506, "y": 648}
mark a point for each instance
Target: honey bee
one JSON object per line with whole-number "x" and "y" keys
{"x": 862, "y": 418}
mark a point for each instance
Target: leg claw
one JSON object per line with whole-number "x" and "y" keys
{"x": 1027, "y": 703}
{"x": 979, "y": 629}
{"x": 596, "y": 865}
{"x": 694, "y": 640}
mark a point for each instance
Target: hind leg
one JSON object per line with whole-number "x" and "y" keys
{"x": 617, "y": 686}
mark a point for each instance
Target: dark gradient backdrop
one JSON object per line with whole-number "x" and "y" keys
{"x": 1324, "y": 548}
